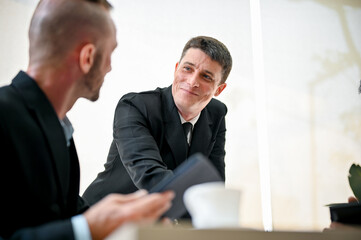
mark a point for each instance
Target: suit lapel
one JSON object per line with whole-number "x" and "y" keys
{"x": 173, "y": 128}
{"x": 48, "y": 121}
{"x": 56, "y": 141}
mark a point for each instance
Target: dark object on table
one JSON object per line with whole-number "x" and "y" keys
{"x": 196, "y": 169}
{"x": 348, "y": 213}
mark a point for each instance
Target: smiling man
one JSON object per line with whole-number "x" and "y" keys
{"x": 149, "y": 140}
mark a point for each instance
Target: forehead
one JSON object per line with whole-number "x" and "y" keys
{"x": 114, "y": 33}
{"x": 111, "y": 37}
{"x": 200, "y": 59}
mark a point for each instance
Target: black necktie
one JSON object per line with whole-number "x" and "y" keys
{"x": 187, "y": 127}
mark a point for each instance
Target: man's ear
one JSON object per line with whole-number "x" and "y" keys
{"x": 175, "y": 69}
{"x": 86, "y": 57}
{"x": 220, "y": 89}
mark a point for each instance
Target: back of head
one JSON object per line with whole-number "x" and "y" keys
{"x": 216, "y": 50}
{"x": 103, "y": 3}
{"x": 60, "y": 26}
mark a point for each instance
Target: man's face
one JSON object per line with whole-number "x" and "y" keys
{"x": 101, "y": 66}
{"x": 196, "y": 80}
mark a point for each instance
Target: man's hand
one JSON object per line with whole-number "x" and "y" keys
{"x": 352, "y": 199}
{"x": 116, "y": 209}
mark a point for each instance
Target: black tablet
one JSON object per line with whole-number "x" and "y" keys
{"x": 196, "y": 169}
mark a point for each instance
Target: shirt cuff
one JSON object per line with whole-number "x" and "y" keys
{"x": 80, "y": 228}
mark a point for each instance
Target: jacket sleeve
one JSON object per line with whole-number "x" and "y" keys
{"x": 218, "y": 152}
{"x": 57, "y": 230}
{"x": 136, "y": 146}
{"x": 82, "y": 205}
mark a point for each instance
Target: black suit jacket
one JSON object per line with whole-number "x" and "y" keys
{"x": 39, "y": 174}
{"x": 149, "y": 143}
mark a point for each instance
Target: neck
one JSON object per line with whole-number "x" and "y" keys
{"x": 57, "y": 86}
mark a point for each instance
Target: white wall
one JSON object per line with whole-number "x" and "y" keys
{"x": 312, "y": 62}
{"x": 312, "y": 70}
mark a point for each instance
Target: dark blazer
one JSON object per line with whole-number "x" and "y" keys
{"x": 39, "y": 174}
{"x": 149, "y": 142}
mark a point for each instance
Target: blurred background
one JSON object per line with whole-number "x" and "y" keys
{"x": 294, "y": 112}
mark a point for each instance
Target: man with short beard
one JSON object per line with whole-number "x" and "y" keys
{"x": 71, "y": 42}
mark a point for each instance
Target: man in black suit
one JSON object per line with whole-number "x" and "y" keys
{"x": 149, "y": 142}
{"x": 71, "y": 42}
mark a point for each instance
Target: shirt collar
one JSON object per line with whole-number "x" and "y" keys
{"x": 193, "y": 120}
{"x": 68, "y": 129}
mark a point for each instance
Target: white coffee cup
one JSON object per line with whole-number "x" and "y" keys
{"x": 211, "y": 205}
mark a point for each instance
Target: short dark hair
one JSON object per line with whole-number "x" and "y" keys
{"x": 216, "y": 50}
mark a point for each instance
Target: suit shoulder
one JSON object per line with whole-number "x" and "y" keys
{"x": 146, "y": 94}
{"x": 5, "y": 91}
{"x": 8, "y": 98}
{"x": 11, "y": 107}
{"x": 147, "y": 97}
{"x": 217, "y": 107}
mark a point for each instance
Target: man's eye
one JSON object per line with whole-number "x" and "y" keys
{"x": 208, "y": 78}
{"x": 187, "y": 68}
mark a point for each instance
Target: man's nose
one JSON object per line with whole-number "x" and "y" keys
{"x": 193, "y": 80}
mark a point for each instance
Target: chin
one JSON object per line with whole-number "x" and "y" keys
{"x": 93, "y": 98}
